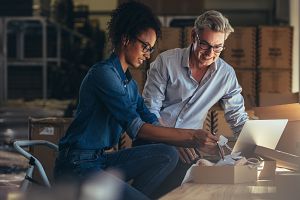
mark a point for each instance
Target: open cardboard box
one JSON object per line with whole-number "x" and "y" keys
{"x": 223, "y": 174}
{"x": 290, "y": 139}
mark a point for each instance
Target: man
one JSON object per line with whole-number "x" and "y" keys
{"x": 183, "y": 84}
{"x": 109, "y": 104}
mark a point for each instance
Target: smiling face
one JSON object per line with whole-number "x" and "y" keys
{"x": 136, "y": 51}
{"x": 206, "y": 46}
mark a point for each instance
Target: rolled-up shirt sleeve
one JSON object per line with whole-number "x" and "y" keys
{"x": 112, "y": 92}
{"x": 233, "y": 105}
{"x": 144, "y": 112}
{"x": 134, "y": 127}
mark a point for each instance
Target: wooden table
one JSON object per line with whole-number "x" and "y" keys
{"x": 258, "y": 190}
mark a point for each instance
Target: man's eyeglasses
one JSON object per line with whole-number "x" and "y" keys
{"x": 206, "y": 46}
{"x": 146, "y": 47}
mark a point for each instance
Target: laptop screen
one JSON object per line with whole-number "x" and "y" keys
{"x": 265, "y": 133}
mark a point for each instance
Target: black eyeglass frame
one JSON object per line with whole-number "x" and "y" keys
{"x": 206, "y": 46}
{"x": 146, "y": 46}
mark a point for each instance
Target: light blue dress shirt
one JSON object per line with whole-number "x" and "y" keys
{"x": 173, "y": 95}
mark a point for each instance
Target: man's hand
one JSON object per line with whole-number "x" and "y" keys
{"x": 191, "y": 138}
{"x": 205, "y": 141}
{"x": 187, "y": 155}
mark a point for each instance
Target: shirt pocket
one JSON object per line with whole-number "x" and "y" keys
{"x": 82, "y": 158}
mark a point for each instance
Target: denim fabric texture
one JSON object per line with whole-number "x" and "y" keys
{"x": 147, "y": 165}
{"x": 109, "y": 104}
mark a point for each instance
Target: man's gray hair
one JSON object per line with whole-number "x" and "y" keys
{"x": 215, "y": 21}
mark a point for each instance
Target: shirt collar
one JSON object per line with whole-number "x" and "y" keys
{"x": 185, "y": 57}
{"x": 125, "y": 77}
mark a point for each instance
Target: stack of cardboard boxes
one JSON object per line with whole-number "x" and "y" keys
{"x": 240, "y": 52}
{"x": 274, "y": 64}
{"x": 171, "y": 37}
{"x": 266, "y": 80}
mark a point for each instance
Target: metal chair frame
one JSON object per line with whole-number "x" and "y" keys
{"x": 33, "y": 161}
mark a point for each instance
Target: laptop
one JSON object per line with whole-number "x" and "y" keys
{"x": 265, "y": 133}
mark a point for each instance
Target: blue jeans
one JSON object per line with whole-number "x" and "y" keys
{"x": 146, "y": 165}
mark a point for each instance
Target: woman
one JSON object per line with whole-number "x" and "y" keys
{"x": 109, "y": 104}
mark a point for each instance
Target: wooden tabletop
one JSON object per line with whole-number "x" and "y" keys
{"x": 189, "y": 191}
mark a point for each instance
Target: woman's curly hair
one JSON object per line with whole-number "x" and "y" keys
{"x": 129, "y": 20}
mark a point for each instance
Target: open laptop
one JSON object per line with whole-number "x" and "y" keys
{"x": 265, "y": 133}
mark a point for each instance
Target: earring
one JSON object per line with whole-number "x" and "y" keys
{"x": 125, "y": 42}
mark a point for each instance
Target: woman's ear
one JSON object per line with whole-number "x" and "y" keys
{"x": 125, "y": 41}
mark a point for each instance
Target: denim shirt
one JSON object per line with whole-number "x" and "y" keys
{"x": 180, "y": 101}
{"x": 109, "y": 104}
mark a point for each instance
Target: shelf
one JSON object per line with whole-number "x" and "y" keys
{"x": 24, "y": 38}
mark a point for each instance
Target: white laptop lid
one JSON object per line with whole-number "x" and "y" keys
{"x": 265, "y": 133}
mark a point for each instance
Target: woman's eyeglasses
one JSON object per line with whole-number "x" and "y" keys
{"x": 146, "y": 47}
{"x": 206, "y": 46}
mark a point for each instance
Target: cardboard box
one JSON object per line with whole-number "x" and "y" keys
{"x": 171, "y": 7}
{"x": 139, "y": 75}
{"x": 223, "y": 174}
{"x": 247, "y": 80}
{"x": 49, "y": 129}
{"x": 187, "y": 32}
{"x": 240, "y": 49}
{"x": 268, "y": 170}
{"x": 250, "y": 100}
{"x": 283, "y": 159}
{"x": 171, "y": 38}
{"x": 274, "y": 81}
{"x": 287, "y": 185}
{"x": 271, "y": 99}
{"x": 290, "y": 139}
{"x": 286, "y": 111}
{"x": 275, "y": 47}
{"x": 216, "y": 122}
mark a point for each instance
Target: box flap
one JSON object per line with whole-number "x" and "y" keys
{"x": 283, "y": 159}
{"x": 286, "y": 111}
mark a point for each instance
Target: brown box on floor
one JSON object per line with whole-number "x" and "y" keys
{"x": 49, "y": 129}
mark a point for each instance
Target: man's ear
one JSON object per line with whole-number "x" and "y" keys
{"x": 193, "y": 35}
